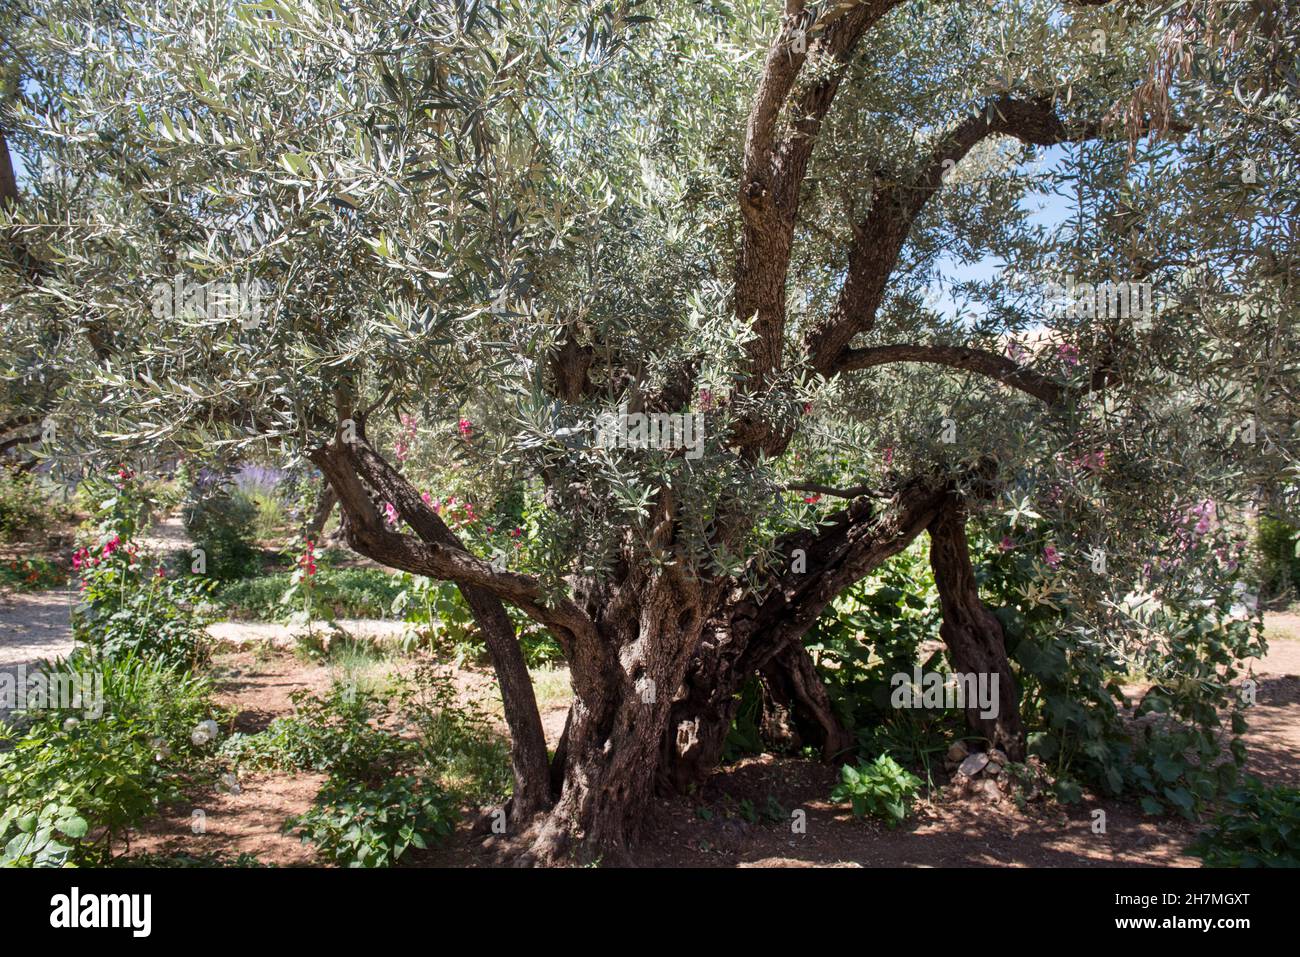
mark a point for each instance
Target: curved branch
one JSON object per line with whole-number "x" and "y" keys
{"x": 854, "y": 491}
{"x": 366, "y": 532}
{"x": 880, "y": 237}
{"x": 437, "y": 552}
{"x": 989, "y": 364}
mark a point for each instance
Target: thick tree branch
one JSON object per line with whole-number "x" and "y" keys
{"x": 988, "y": 364}
{"x": 366, "y": 533}
{"x": 437, "y": 553}
{"x": 854, "y": 491}
{"x": 880, "y": 237}
{"x": 780, "y": 135}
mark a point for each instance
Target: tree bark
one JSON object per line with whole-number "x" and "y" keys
{"x": 794, "y": 686}
{"x": 973, "y": 635}
{"x": 325, "y": 503}
{"x": 748, "y": 634}
{"x": 612, "y": 741}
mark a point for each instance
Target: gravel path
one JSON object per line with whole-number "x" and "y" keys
{"x": 35, "y": 625}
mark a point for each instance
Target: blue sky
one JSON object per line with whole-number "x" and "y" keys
{"x": 1045, "y": 209}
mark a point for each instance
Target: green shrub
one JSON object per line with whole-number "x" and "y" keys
{"x": 222, "y": 522}
{"x": 127, "y": 609}
{"x": 342, "y": 592}
{"x": 374, "y": 827}
{"x": 120, "y": 504}
{"x": 444, "y": 621}
{"x": 346, "y": 733}
{"x": 882, "y": 789}
{"x": 24, "y": 511}
{"x": 455, "y": 741}
{"x": 30, "y": 574}
{"x": 71, "y": 783}
{"x": 1261, "y": 830}
{"x": 1279, "y": 564}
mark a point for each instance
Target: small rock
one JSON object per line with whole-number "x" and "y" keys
{"x": 958, "y": 752}
{"x": 990, "y": 790}
{"x": 973, "y": 764}
{"x": 993, "y": 769}
{"x": 998, "y": 755}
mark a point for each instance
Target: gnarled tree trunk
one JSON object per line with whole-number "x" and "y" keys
{"x": 973, "y": 635}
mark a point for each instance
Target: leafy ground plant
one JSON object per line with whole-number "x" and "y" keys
{"x": 374, "y": 827}
{"x": 883, "y": 789}
{"x": 32, "y": 574}
{"x": 1261, "y": 828}
{"x": 71, "y": 784}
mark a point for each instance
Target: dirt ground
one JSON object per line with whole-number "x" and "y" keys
{"x": 717, "y": 826}
{"x": 711, "y": 829}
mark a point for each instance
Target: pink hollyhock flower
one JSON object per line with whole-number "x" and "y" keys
{"x": 112, "y": 545}
{"x": 516, "y": 532}
{"x": 1068, "y": 353}
{"x": 426, "y": 498}
{"x": 390, "y": 513}
{"x": 464, "y": 426}
{"x": 1051, "y": 556}
{"x": 706, "y": 399}
{"x": 889, "y": 456}
{"x": 813, "y": 499}
{"x": 160, "y": 572}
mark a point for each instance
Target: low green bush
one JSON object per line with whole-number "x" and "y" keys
{"x": 222, "y": 521}
{"x": 346, "y": 733}
{"x": 1261, "y": 828}
{"x": 1278, "y": 561}
{"x": 71, "y": 783}
{"x": 374, "y": 827}
{"x": 345, "y": 592}
{"x": 444, "y": 622}
{"x": 24, "y": 510}
{"x": 400, "y": 760}
{"x": 881, "y": 789}
{"x": 32, "y": 574}
{"x": 126, "y": 608}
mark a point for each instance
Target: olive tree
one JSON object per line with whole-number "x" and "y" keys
{"x": 550, "y": 227}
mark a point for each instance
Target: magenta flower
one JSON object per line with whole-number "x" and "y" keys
{"x": 1068, "y": 353}
{"x": 390, "y": 513}
{"x": 1051, "y": 556}
{"x": 1006, "y": 544}
{"x": 464, "y": 426}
